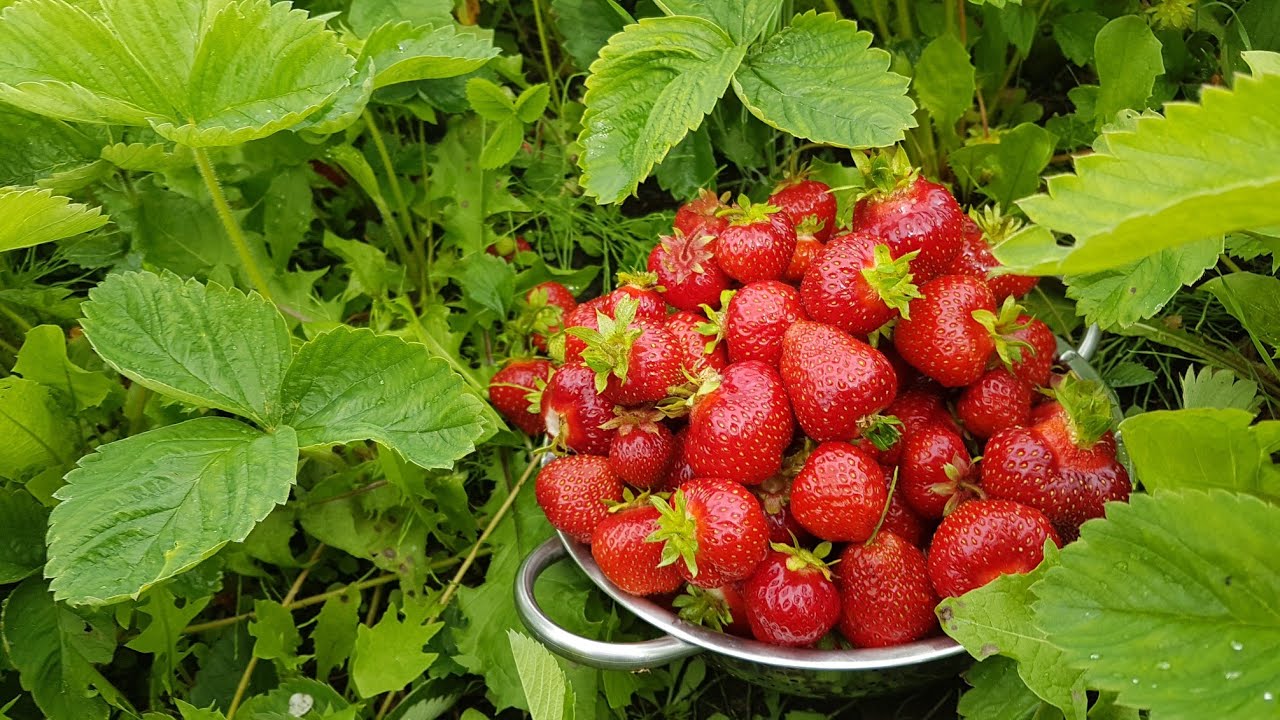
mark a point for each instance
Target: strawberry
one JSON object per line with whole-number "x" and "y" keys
{"x": 713, "y": 531}
{"x": 702, "y": 215}
{"x": 791, "y": 598}
{"x": 722, "y": 609}
{"x": 687, "y": 271}
{"x": 909, "y": 214}
{"x": 755, "y": 319}
{"x": 837, "y": 383}
{"x": 807, "y": 248}
{"x": 511, "y": 388}
{"x": 887, "y": 598}
{"x": 807, "y": 202}
{"x": 547, "y": 305}
{"x": 619, "y": 548}
{"x": 775, "y": 500}
{"x": 934, "y": 472}
{"x": 687, "y": 327}
{"x": 574, "y": 491}
{"x": 757, "y": 244}
{"x": 585, "y": 315}
{"x": 1035, "y": 361}
{"x": 573, "y": 412}
{"x": 840, "y": 494}
{"x": 916, "y": 407}
{"x": 979, "y": 232}
{"x": 902, "y": 521}
{"x": 507, "y": 248}
{"x": 642, "y": 449}
{"x": 739, "y": 424}
{"x": 636, "y": 361}
{"x": 984, "y": 539}
{"x": 640, "y": 287}
{"x": 857, "y": 285}
{"x": 681, "y": 472}
{"x": 999, "y": 399}
{"x": 953, "y": 330}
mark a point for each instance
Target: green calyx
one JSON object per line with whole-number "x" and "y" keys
{"x": 629, "y": 501}
{"x": 995, "y": 225}
{"x": 885, "y": 172}
{"x": 1172, "y": 14}
{"x": 704, "y": 607}
{"x": 644, "y": 280}
{"x": 1088, "y": 408}
{"x": 534, "y": 396}
{"x": 684, "y": 397}
{"x": 799, "y": 559}
{"x": 746, "y": 212}
{"x": 809, "y": 226}
{"x": 714, "y": 327}
{"x": 678, "y": 530}
{"x": 891, "y": 278}
{"x": 883, "y": 431}
{"x": 608, "y": 349}
{"x": 1001, "y": 328}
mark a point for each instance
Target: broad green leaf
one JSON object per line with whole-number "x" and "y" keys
{"x": 343, "y": 109}
{"x": 744, "y": 20}
{"x": 22, "y": 543}
{"x": 335, "y": 632}
{"x": 1008, "y": 168}
{"x": 996, "y": 619}
{"x": 1210, "y": 388}
{"x": 944, "y": 80}
{"x": 298, "y": 697}
{"x": 200, "y": 73}
{"x": 1076, "y": 32}
{"x": 1252, "y": 299}
{"x": 372, "y": 274}
{"x": 585, "y": 26}
{"x": 468, "y": 193}
{"x": 1125, "y": 295}
{"x": 820, "y": 79}
{"x": 43, "y": 359}
{"x": 390, "y": 655}
{"x": 148, "y": 507}
{"x": 275, "y": 632}
{"x": 1204, "y": 448}
{"x": 33, "y": 147}
{"x": 503, "y": 143}
{"x": 54, "y": 649}
{"x": 490, "y": 100}
{"x": 689, "y": 167}
{"x": 141, "y": 157}
{"x": 999, "y": 694}
{"x": 349, "y": 385}
{"x": 1128, "y": 374}
{"x": 206, "y": 345}
{"x": 365, "y": 16}
{"x": 402, "y": 52}
{"x": 548, "y": 691}
{"x": 845, "y": 182}
{"x": 489, "y": 282}
{"x": 30, "y": 216}
{"x": 371, "y": 525}
{"x": 191, "y": 712}
{"x": 163, "y": 631}
{"x": 288, "y": 213}
{"x": 1199, "y": 172}
{"x": 37, "y": 433}
{"x": 180, "y": 235}
{"x": 653, "y": 83}
{"x": 1196, "y": 625}
{"x": 532, "y": 102}
{"x": 1127, "y": 55}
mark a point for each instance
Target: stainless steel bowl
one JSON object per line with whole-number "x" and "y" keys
{"x": 816, "y": 673}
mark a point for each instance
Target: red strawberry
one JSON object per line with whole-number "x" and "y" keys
{"x": 639, "y": 287}
{"x": 619, "y": 548}
{"x": 713, "y": 531}
{"x": 840, "y": 494}
{"x": 909, "y": 214}
{"x": 984, "y": 539}
{"x": 916, "y": 407}
{"x": 573, "y": 412}
{"x": 687, "y": 270}
{"x": 687, "y": 328}
{"x": 586, "y": 315}
{"x": 680, "y": 472}
{"x": 934, "y": 472}
{"x": 756, "y": 318}
{"x": 791, "y": 598}
{"x": 702, "y": 216}
{"x": 574, "y": 492}
{"x": 902, "y": 521}
{"x": 643, "y": 448}
{"x": 1035, "y": 361}
{"x": 999, "y": 399}
{"x": 722, "y": 609}
{"x": 511, "y": 387}
{"x": 548, "y": 303}
{"x": 807, "y": 202}
{"x": 857, "y": 285}
{"x": 886, "y": 592}
{"x": 953, "y": 330}
{"x": 975, "y": 258}
{"x": 837, "y": 383}
{"x": 740, "y": 425}
{"x": 807, "y": 248}
{"x": 636, "y": 361}
{"x": 757, "y": 244}
{"x": 775, "y": 500}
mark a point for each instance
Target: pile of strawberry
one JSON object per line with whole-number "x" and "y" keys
{"x": 775, "y": 394}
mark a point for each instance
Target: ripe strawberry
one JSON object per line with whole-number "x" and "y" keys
{"x": 619, "y": 548}
{"x": 935, "y": 471}
{"x": 984, "y": 539}
{"x": 807, "y": 202}
{"x": 807, "y": 248}
{"x": 642, "y": 449}
{"x": 916, "y": 407}
{"x": 979, "y": 232}
{"x": 999, "y": 399}
{"x": 573, "y": 411}
{"x": 635, "y": 361}
{"x": 722, "y": 609}
{"x": 910, "y": 214}
{"x": 740, "y": 425}
{"x": 755, "y": 319}
{"x": 902, "y": 521}
{"x": 687, "y": 271}
{"x": 837, "y": 383}
{"x": 775, "y": 500}
{"x": 713, "y": 531}
{"x": 702, "y": 215}
{"x": 757, "y": 244}
{"x": 840, "y": 494}
{"x": 640, "y": 287}
{"x": 547, "y": 305}
{"x": 791, "y": 598}
{"x": 1035, "y": 361}
{"x": 887, "y": 598}
{"x": 574, "y": 491}
{"x": 857, "y": 285}
{"x": 681, "y": 472}
{"x": 586, "y": 315}
{"x": 511, "y": 388}
{"x": 953, "y": 330}
{"x": 687, "y": 328}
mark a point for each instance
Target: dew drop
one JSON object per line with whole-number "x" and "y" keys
{"x": 1095, "y": 656}
{"x": 1268, "y": 696}
{"x": 1162, "y": 665}
{"x": 1237, "y": 645}
{"x": 1231, "y": 674}
{"x": 1136, "y": 681}
{"x": 1122, "y": 566}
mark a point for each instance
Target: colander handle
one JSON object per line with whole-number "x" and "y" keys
{"x": 1088, "y": 345}
{"x": 603, "y": 655}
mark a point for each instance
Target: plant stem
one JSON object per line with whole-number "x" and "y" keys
{"x": 402, "y": 207}
{"x": 386, "y": 705}
{"x": 436, "y": 349}
{"x": 880, "y": 12}
{"x": 17, "y": 319}
{"x": 229, "y": 223}
{"x": 904, "y": 20}
{"x": 552, "y": 77}
{"x": 832, "y": 7}
{"x": 135, "y": 405}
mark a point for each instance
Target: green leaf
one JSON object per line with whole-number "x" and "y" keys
{"x": 1252, "y": 299}
{"x": 30, "y": 216}
{"x": 1128, "y": 373}
{"x": 1204, "y": 448}
{"x": 1009, "y": 168}
{"x": 503, "y": 143}
{"x": 653, "y": 83}
{"x": 191, "y": 712}
{"x": 1127, "y": 55}
{"x": 365, "y": 16}
{"x": 1200, "y": 172}
{"x": 335, "y": 633}
{"x": 184, "y": 237}
{"x": 54, "y": 649}
{"x": 33, "y": 147}
{"x": 548, "y": 691}
{"x": 490, "y": 100}
{"x": 999, "y": 694}
{"x": 275, "y": 632}
{"x": 820, "y": 79}
{"x": 24, "y": 521}
{"x": 744, "y": 20}
{"x": 372, "y": 274}
{"x": 348, "y": 385}
{"x": 532, "y": 102}
{"x": 585, "y": 26}
{"x": 163, "y": 632}
{"x": 402, "y": 52}
{"x": 220, "y": 74}
{"x": 370, "y": 525}
{"x": 389, "y": 655}
{"x": 944, "y": 80}
{"x": 37, "y": 433}
{"x": 1076, "y": 32}
{"x": 468, "y": 193}
{"x": 291, "y": 698}
{"x": 489, "y": 282}
{"x": 43, "y": 359}
{"x": 1122, "y": 296}
{"x": 206, "y": 345}
{"x": 689, "y": 167}
{"x": 1211, "y": 388}
{"x": 1196, "y": 625}
{"x": 288, "y": 214}
{"x": 141, "y": 157}
{"x": 148, "y": 507}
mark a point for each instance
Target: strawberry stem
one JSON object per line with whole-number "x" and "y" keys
{"x": 678, "y": 530}
{"x": 891, "y": 279}
{"x": 799, "y": 559}
{"x": 893, "y": 486}
{"x": 704, "y": 607}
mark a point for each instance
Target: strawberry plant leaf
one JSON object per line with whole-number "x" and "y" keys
{"x": 1076, "y": 32}
{"x": 999, "y": 694}
{"x": 503, "y": 143}
{"x": 1136, "y": 194}
{"x": 585, "y": 26}
{"x": 30, "y": 216}
{"x": 1008, "y": 168}
{"x": 1128, "y": 60}
{"x": 744, "y": 20}
{"x": 944, "y": 80}
{"x": 365, "y": 16}
{"x": 210, "y": 346}
{"x": 22, "y": 543}
{"x": 335, "y": 633}
{"x": 1209, "y": 388}
{"x": 653, "y": 83}
{"x": 38, "y": 434}
{"x": 489, "y": 100}
{"x": 402, "y": 52}
{"x": 820, "y": 79}
{"x": 148, "y": 507}
{"x": 1194, "y": 633}
{"x": 689, "y": 167}
{"x": 1254, "y": 300}
{"x": 298, "y": 697}
{"x": 275, "y": 634}
{"x": 532, "y": 102}
{"x": 33, "y": 147}
{"x": 389, "y": 655}
{"x": 371, "y": 525}
{"x": 43, "y": 359}
{"x": 1121, "y": 296}
{"x": 546, "y": 688}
